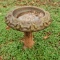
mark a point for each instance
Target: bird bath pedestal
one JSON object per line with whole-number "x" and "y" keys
{"x": 28, "y": 19}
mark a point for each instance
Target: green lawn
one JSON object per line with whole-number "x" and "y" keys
{"x": 44, "y": 48}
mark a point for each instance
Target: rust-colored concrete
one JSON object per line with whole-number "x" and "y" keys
{"x": 28, "y": 39}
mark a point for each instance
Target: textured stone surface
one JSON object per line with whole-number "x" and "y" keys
{"x": 27, "y": 26}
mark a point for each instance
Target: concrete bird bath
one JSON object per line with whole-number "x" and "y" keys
{"x": 28, "y": 19}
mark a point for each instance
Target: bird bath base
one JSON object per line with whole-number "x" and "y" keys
{"x": 28, "y": 40}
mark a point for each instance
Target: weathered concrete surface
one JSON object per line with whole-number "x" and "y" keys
{"x": 27, "y": 26}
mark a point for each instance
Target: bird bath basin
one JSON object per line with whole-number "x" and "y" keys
{"x": 28, "y": 19}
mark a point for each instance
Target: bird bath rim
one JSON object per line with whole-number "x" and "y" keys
{"x": 28, "y": 8}
{"x": 45, "y": 17}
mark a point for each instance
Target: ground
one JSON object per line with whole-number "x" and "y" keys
{"x": 47, "y": 41}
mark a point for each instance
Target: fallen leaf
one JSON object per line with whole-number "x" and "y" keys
{"x": 58, "y": 34}
{"x": 1, "y": 58}
{"x": 4, "y": 6}
{"x": 19, "y": 0}
{"x": 46, "y": 37}
{"x": 13, "y": 58}
{"x": 32, "y": 2}
{"x": 48, "y": 33}
{"x": 7, "y": 27}
{"x": 55, "y": 3}
{"x": 37, "y": 0}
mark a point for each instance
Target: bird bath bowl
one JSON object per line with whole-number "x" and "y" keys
{"x": 28, "y": 19}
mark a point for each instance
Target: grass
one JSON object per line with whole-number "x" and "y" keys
{"x": 44, "y": 49}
